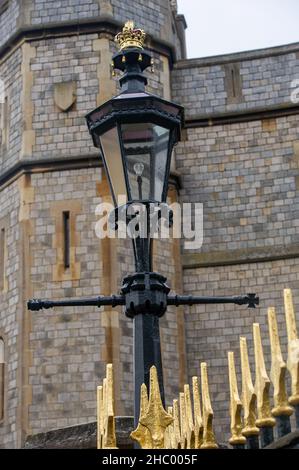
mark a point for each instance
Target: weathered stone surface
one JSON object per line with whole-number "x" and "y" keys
{"x": 81, "y": 437}
{"x": 245, "y": 174}
{"x": 290, "y": 441}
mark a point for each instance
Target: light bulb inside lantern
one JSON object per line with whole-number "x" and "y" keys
{"x": 138, "y": 168}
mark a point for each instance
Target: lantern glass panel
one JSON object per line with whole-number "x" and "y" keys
{"x": 145, "y": 147}
{"x": 113, "y": 160}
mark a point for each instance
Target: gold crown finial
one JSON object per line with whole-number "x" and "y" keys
{"x": 130, "y": 37}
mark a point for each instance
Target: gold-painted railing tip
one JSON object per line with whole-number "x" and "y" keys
{"x": 262, "y": 382}
{"x": 141, "y": 434}
{"x": 156, "y": 419}
{"x": 183, "y": 420}
{"x": 100, "y": 416}
{"x": 198, "y": 423}
{"x": 236, "y": 425}
{"x": 293, "y": 346}
{"x": 248, "y": 393}
{"x": 189, "y": 418}
{"x": 209, "y": 441}
{"x": 176, "y": 425}
{"x": 106, "y": 436}
{"x": 278, "y": 369}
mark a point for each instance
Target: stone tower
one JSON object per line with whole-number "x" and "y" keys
{"x": 55, "y": 66}
{"x": 239, "y": 157}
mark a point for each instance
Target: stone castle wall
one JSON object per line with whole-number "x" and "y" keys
{"x": 31, "y": 15}
{"x": 11, "y": 138}
{"x": 239, "y": 159}
{"x": 9, "y": 21}
{"x": 54, "y": 359}
{"x": 237, "y": 82}
{"x": 10, "y": 314}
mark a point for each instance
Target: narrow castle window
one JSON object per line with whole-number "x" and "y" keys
{"x": 233, "y": 82}
{"x": 66, "y": 239}
{"x": 2, "y": 371}
{"x": 4, "y": 123}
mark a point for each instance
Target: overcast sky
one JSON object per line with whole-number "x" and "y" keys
{"x": 224, "y": 26}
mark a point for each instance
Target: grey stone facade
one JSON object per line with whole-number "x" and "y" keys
{"x": 203, "y": 86}
{"x": 239, "y": 157}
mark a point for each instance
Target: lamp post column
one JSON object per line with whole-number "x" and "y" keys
{"x": 146, "y": 333}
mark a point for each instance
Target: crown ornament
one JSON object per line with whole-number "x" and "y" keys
{"x": 130, "y": 37}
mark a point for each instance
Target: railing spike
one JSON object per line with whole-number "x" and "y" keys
{"x": 106, "y": 437}
{"x": 170, "y": 432}
{"x": 264, "y": 421}
{"x": 209, "y": 441}
{"x": 189, "y": 418}
{"x": 237, "y": 439}
{"x": 250, "y": 431}
{"x": 156, "y": 418}
{"x": 293, "y": 349}
{"x": 282, "y": 411}
{"x": 141, "y": 434}
{"x": 100, "y": 416}
{"x": 198, "y": 424}
{"x": 109, "y": 424}
{"x": 183, "y": 422}
{"x": 176, "y": 424}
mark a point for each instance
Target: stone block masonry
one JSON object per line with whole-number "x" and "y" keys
{"x": 239, "y": 157}
{"x": 54, "y": 362}
{"x": 10, "y": 313}
{"x": 156, "y": 16}
{"x": 257, "y": 80}
{"x": 8, "y": 20}
{"x": 245, "y": 176}
{"x": 211, "y": 331}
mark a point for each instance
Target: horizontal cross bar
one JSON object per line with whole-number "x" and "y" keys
{"x": 39, "y": 304}
{"x": 250, "y": 299}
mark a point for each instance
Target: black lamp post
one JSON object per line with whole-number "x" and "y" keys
{"x": 136, "y": 132}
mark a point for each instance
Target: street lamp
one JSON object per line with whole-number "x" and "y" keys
{"x": 135, "y": 132}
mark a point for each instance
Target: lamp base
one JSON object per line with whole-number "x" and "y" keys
{"x": 145, "y": 293}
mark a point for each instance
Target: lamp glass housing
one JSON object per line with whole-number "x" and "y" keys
{"x": 145, "y": 147}
{"x": 112, "y": 156}
{"x": 136, "y": 133}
